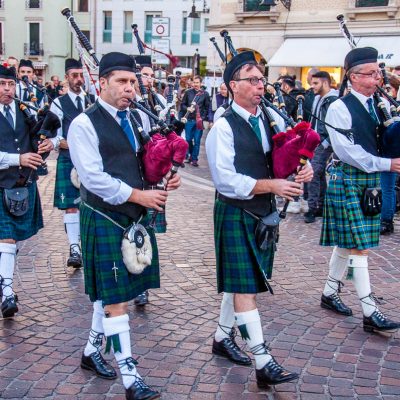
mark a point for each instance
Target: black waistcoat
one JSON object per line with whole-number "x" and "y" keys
{"x": 365, "y": 131}
{"x": 119, "y": 160}
{"x": 251, "y": 160}
{"x": 17, "y": 142}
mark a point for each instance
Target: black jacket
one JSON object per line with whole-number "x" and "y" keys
{"x": 291, "y": 103}
{"x": 203, "y": 103}
{"x": 323, "y": 109}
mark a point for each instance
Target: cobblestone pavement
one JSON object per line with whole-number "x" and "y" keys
{"x": 40, "y": 348}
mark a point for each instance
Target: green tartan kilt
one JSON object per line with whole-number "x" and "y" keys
{"x": 344, "y": 224}
{"x": 160, "y": 224}
{"x": 239, "y": 260}
{"x": 65, "y": 193}
{"x": 25, "y": 226}
{"x": 101, "y": 250}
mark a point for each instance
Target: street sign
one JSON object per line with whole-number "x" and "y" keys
{"x": 160, "y": 27}
{"x": 161, "y": 45}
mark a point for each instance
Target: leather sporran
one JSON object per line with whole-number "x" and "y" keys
{"x": 16, "y": 201}
{"x": 371, "y": 201}
{"x": 267, "y": 231}
{"x": 76, "y": 182}
{"x": 137, "y": 251}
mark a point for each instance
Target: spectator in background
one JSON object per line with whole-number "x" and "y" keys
{"x": 12, "y": 62}
{"x": 55, "y": 89}
{"x": 220, "y": 99}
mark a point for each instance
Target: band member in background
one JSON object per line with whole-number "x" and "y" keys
{"x": 66, "y": 195}
{"x": 25, "y": 68}
{"x": 309, "y": 96}
{"x": 18, "y": 161}
{"x": 239, "y": 154}
{"x": 105, "y": 149}
{"x": 194, "y": 125}
{"x": 358, "y": 168}
{"x": 221, "y": 99}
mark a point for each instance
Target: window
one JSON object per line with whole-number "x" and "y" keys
{"x": 33, "y": 4}
{"x": 195, "y": 39}
{"x": 206, "y": 22}
{"x": 371, "y": 3}
{"x": 34, "y": 39}
{"x": 1, "y": 39}
{"x": 128, "y": 19}
{"x": 107, "y": 31}
{"x": 184, "y": 28}
{"x": 83, "y": 5}
{"x": 254, "y": 5}
{"x": 87, "y": 34}
{"x": 149, "y": 27}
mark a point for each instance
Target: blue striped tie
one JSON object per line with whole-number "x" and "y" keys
{"x": 127, "y": 128}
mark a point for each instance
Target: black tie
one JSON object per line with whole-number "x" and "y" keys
{"x": 79, "y": 101}
{"x": 8, "y": 116}
{"x": 25, "y": 97}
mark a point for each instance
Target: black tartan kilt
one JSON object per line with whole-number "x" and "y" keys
{"x": 101, "y": 250}
{"x": 65, "y": 193}
{"x": 239, "y": 260}
{"x": 25, "y": 226}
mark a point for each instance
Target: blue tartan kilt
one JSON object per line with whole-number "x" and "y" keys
{"x": 344, "y": 224}
{"x": 65, "y": 193}
{"x": 239, "y": 260}
{"x": 25, "y": 226}
{"x": 160, "y": 224}
{"x": 101, "y": 252}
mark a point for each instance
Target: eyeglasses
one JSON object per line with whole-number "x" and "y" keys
{"x": 9, "y": 84}
{"x": 373, "y": 74}
{"x": 254, "y": 80}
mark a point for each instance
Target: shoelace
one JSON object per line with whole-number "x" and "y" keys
{"x": 339, "y": 283}
{"x": 75, "y": 250}
{"x": 376, "y": 299}
{"x": 131, "y": 363}
{"x": 96, "y": 339}
{"x": 3, "y": 284}
{"x": 260, "y": 349}
{"x": 337, "y": 297}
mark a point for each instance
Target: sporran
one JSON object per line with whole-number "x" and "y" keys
{"x": 16, "y": 201}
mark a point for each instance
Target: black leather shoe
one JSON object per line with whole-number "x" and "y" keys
{"x": 9, "y": 306}
{"x": 378, "y": 322}
{"x": 229, "y": 349}
{"x": 309, "y": 217}
{"x": 142, "y": 299}
{"x": 273, "y": 374}
{"x": 140, "y": 391}
{"x": 74, "y": 259}
{"x": 96, "y": 363}
{"x": 335, "y": 303}
{"x": 387, "y": 227}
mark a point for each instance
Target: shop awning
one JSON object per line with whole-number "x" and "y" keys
{"x": 330, "y": 52}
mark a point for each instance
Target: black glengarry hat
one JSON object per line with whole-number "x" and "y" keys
{"x": 360, "y": 55}
{"x": 143, "y": 61}
{"x": 116, "y": 61}
{"x": 247, "y": 57}
{"x": 25, "y": 63}
{"x": 71, "y": 63}
{"x": 7, "y": 73}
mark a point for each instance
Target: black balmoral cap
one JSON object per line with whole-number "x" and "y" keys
{"x": 143, "y": 61}
{"x": 7, "y": 73}
{"x": 247, "y": 57}
{"x": 360, "y": 55}
{"x": 71, "y": 63}
{"x": 116, "y": 61}
{"x": 25, "y": 63}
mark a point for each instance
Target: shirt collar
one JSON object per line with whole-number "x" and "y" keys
{"x": 12, "y": 108}
{"x": 363, "y": 99}
{"x": 244, "y": 113}
{"x": 111, "y": 109}
{"x": 73, "y": 96}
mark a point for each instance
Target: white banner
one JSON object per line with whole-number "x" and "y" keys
{"x": 161, "y": 45}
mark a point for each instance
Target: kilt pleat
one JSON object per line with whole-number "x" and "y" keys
{"x": 160, "y": 225}
{"x": 344, "y": 224}
{"x": 101, "y": 252}
{"x": 238, "y": 259}
{"x": 65, "y": 193}
{"x": 25, "y": 226}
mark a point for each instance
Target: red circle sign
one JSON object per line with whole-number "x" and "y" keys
{"x": 160, "y": 29}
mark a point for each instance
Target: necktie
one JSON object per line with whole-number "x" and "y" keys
{"x": 127, "y": 128}
{"x": 25, "y": 97}
{"x": 8, "y": 116}
{"x": 79, "y": 104}
{"x": 256, "y": 126}
{"x": 372, "y": 112}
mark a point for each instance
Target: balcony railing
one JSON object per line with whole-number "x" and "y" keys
{"x": 33, "y": 49}
{"x": 372, "y": 3}
{"x": 33, "y": 4}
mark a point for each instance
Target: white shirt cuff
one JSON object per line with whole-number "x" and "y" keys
{"x": 121, "y": 196}
{"x": 12, "y": 159}
{"x": 385, "y": 164}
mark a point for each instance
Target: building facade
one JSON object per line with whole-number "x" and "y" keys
{"x": 308, "y": 35}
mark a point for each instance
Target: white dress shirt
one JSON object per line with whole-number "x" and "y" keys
{"x": 339, "y": 116}
{"x": 20, "y": 90}
{"x": 84, "y": 150}
{"x": 221, "y": 154}
{"x": 8, "y": 160}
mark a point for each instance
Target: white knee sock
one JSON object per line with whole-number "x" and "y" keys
{"x": 362, "y": 283}
{"x": 337, "y": 268}
{"x": 71, "y": 221}
{"x": 226, "y": 317}
{"x": 249, "y": 324}
{"x": 120, "y": 326}
{"x": 7, "y": 264}
{"x": 96, "y": 332}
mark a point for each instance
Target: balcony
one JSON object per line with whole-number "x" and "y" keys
{"x": 33, "y": 49}
{"x": 32, "y": 4}
{"x": 365, "y": 7}
{"x": 252, "y": 9}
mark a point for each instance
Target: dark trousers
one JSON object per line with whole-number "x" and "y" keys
{"x": 317, "y": 187}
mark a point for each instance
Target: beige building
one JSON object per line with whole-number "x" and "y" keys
{"x": 36, "y": 30}
{"x": 307, "y": 35}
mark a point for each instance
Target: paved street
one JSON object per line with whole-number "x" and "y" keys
{"x": 40, "y": 349}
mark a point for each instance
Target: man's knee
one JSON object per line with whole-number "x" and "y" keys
{"x": 356, "y": 252}
{"x": 115, "y": 310}
{"x": 71, "y": 210}
{"x": 10, "y": 241}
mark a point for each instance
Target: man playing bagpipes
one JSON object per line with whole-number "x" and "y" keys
{"x": 239, "y": 154}
{"x": 20, "y": 208}
{"x": 25, "y": 69}
{"x": 105, "y": 148}
{"x": 351, "y": 220}
{"x": 66, "y": 193}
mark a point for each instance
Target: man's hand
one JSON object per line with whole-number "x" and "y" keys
{"x": 46, "y": 146}
{"x": 149, "y": 198}
{"x": 285, "y": 189}
{"x": 64, "y": 144}
{"x": 306, "y": 174}
{"x": 174, "y": 182}
{"x": 395, "y": 165}
{"x": 30, "y": 160}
